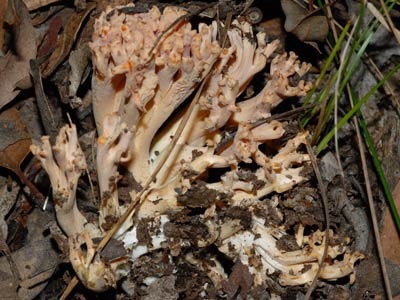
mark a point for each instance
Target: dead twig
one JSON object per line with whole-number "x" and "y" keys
{"x": 395, "y": 32}
{"x": 318, "y": 173}
{"x": 282, "y": 116}
{"x": 322, "y": 189}
{"x": 176, "y": 22}
{"x": 364, "y": 166}
{"x": 370, "y": 197}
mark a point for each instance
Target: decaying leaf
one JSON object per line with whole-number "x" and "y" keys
{"x": 78, "y": 60}
{"x": 40, "y": 17}
{"x": 7, "y": 285}
{"x": 50, "y": 40}
{"x": 306, "y": 26}
{"x": 35, "y": 262}
{"x": 8, "y": 198}
{"x": 66, "y": 40}
{"x": 35, "y": 4}
{"x": 14, "y": 66}
{"x": 14, "y": 146}
{"x": 3, "y": 10}
{"x": 15, "y": 141}
{"x": 10, "y": 279}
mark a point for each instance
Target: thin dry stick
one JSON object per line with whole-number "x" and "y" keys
{"x": 315, "y": 7}
{"x": 331, "y": 22}
{"x": 386, "y": 86}
{"x": 373, "y": 215}
{"x": 176, "y": 22}
{"x": 375, "y": 226}
{"x": 316, "y": 169}
{"x": 321, "y": 184}
{"x": 138, "y": 200}
{"x": 87, "y": 170}
{"x": 327, "y": 219}
{"x": 285, "y": 115}
{"x": 369, "y": 194}
{"x": 37, "y": 195}
{"x": 390, "y": 22}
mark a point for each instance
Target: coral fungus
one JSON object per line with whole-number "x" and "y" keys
{"x": 138, "y": 103}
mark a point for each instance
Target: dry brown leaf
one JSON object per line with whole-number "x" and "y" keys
{"x": 67, "y": 40}
{"x": 14, "y": 67}
{"x": 7, "y": 284}
{"x": 306, "y": 26}
{"x": 15, "y": 141}
{"x": 390, "y": 235}
{"x": 10, "y": 279}
{"x": 35, "y": 4}
{"x": 294, "y": 14}
{"x": 50, "y": 40}
{"x": 9, "y": 194}
{"x": 314, "y": 28}
{"x": 14, "y": 146}
{"x": 35, "y": 262}
{"x": 3, "y": 11}
{"x": 78, "y": 60}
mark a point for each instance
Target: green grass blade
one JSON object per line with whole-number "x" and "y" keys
{"x": 356, "y": 107}
{"x": 378, "y": 165}
{"x": 328, "y": 62}
{"x": 364, "y": 40}
{"x": 355, "y": 62}
{"x": 348, "y": 73}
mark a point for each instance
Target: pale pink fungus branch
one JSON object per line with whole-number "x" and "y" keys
{"x": 64, "y": 162}
{"x": 113, "y": 149}
{"x": 278, "y": 87}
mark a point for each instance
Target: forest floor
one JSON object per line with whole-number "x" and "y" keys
{"x": 46, "y": 81}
